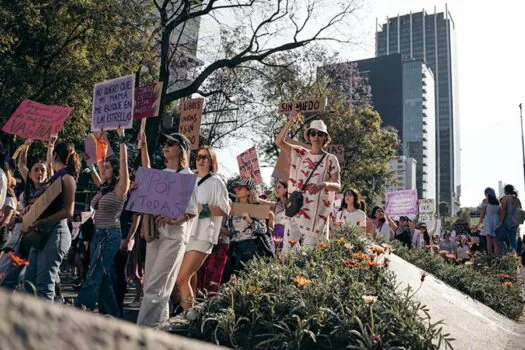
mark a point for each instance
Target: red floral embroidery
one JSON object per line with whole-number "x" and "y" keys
{"x": 323, "y": 217}
{"x": 305, "y": 173}
{"x": 300, "y": 151}
{"x": 292, "y": 181}
{"x": 327, "y": 204}
{"x": 308, "y": 201}
{"x": 303, "y": 212}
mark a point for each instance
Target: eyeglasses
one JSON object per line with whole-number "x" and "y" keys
{"x": 201, "y": 157}
{"x": 314, "y": 133}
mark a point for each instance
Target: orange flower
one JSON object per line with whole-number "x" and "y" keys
{"x": 507, "y": 284}
{"x": 504, "y": 275}
{"x": 360, "y": 256}
{"x": 323, "y": 246}
{"x": 292, "y": 242}
{"x": 301, "y": 281}
{"x": 352, "y": 263}
{"x": 373, "y": 264}
{"x": 377, "y": 249}
{"x": 18, "y": 261}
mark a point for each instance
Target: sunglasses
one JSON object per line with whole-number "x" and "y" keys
{"x": 201, "y": 157}
{"x": 240, "y": 187}
{"x": 314, "y": 133}
{"x": 169, "y": 143}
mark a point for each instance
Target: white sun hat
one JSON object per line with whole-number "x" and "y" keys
{"x": 317, "y": 125}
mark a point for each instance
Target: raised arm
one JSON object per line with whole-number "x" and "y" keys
{"x": 144, "y": 155}
{"x": 280, "y": 139}
{"x": 122, "y": 187}
{"x": 22, "y": 160}
{"x": 49, "y": 155}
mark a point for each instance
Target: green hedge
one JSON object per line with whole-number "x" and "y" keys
{"x": 489, "y": 279}
{"x": 318, "y": 299}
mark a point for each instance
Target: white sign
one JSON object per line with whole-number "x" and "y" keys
{"x": 427, "y": 206}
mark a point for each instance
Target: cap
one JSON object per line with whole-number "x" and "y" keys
{"x": 244, "y": 182}
{"x": 177, "y": 138}
{"x": 404, "y": 218}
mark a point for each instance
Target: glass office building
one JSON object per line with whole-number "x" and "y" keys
{"x": 431, "y": 38}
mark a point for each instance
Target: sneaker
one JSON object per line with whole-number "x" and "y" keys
{"x": 134, "y": 304}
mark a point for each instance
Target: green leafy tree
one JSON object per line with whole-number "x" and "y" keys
{"x": 54, "y": 52}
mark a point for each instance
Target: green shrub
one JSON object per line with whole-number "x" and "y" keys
{"x": 483, "y": 280}
{"x": 316, "y": 300}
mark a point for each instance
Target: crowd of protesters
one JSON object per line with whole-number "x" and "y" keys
{"x": 175, "y": 261}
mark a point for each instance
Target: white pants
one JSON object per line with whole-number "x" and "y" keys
{"x": 163, "y": 259}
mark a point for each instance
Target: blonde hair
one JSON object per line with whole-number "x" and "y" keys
{"x": 214, "y": 167}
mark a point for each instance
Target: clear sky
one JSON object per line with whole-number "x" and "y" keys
{"x": 491, "y": 67}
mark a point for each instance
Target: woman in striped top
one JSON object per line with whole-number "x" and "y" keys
{"x": 108, "y": 204}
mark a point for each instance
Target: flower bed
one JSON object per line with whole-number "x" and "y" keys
{"x": 336, "y": 296}
{"x": 489, "y": 279}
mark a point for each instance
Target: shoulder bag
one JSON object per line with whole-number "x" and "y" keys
{"x": 295, "y": 201}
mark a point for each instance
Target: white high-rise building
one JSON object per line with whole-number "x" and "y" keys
{"x": 404, "y": 169}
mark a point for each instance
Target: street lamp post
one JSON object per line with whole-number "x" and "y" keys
{"x": 522, "y": 141}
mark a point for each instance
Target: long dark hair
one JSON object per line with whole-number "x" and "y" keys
{"x": 66, "y": 154}
{"x": 29, "y": 187}
{"x": 115, "y": 166}
{"x": 491, "y": 196}
{"x": 358, "y": 203}
{"x": 509, "y": 190}
{"x": 285, "y": 185}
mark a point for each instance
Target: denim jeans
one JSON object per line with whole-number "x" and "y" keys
{"x": 42, "y": 271}
{"x": 98, "y": 285}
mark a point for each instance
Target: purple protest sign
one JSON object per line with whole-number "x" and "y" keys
{"x": 161, "y": 192}
{"x": 401, "y": 203}
{"x": 113, "y": 104}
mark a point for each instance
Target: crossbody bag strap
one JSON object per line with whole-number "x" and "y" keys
{"x": 313, "y": 171}
{"x": 201, "y": 181}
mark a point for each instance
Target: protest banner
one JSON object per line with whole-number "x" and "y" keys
{"x": 338, "y": 151}
{"x": 281, "y": 169}
{"x": 113, "y": 104}
{"x": 401, "y": 203}
{"x": 36, "y": 121}
{"x": 161, "y": 192}
{"x": 254, "y": 210}
{"x": 95, "y": 150}
{"x": 147, "y": 100}
{"x": 190, "y": 120}
{"x": 427, "y": 206}
{"x": 41, "y": 204}
{"x": 309, "y": 105}
{"x": 249, "y": 165}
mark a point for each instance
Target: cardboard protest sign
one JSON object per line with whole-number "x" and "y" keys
{"x": 249, "y": 165}
{"x": 258, "y": 211}
{"x": 281, "y": 169}
{"x": 113, "y": 104}
{"x": 309, "y": 105}
{"x": 401, "y": 203}
{"x": 92, "y": 147}
{"x": 338, "y": 151}
{"x": 425, "y": 217}
{"x": 190, "y": 120}
{"x": 36, "y": 121}
{"x": 161, "y": 192}
{"x": 147, "y": 100}
{"x": 427, "y": 206}
{"x": 41, "y": 204}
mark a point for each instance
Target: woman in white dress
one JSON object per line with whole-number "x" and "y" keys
{"x": 352, "y": 211}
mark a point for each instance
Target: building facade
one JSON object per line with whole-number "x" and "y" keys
{"x": 404, "y": 169}
{"x": 431, "y": 38}
{"x": 403, "y": 94}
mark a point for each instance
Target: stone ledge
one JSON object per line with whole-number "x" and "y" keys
{"x": 27, "y": 323}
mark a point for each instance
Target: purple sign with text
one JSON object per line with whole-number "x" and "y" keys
{"x": 401, "y": 203}
{"x": 113, "y": 104}
{"x": 161, "y": 192}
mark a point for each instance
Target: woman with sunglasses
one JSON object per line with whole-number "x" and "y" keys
{"x": 213, "y": 204}
{"x": 165, "y": 253}
{"x": 313, "y": 219}
{"x": 381, "y": 225}
{"x": 244, "y": 230}
{"x": 105, "y": 244}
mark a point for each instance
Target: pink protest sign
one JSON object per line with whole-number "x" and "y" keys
{"x": 161, "y": 192}
{"x": 249, "y": 165}
{"x": 147, "y": 100}
{"x": 91, "y": 149}
{"x": 36, "y": 121}
{"x": 401, "y": 203}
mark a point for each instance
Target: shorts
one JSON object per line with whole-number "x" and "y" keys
{"x": 200, "y": 246}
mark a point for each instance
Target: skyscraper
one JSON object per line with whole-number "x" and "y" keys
{"x": 431, "y": 38}
{"x": 403, "y": 94}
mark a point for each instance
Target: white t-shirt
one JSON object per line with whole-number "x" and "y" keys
{"x": 3, "y": 186}
{"x": 185, "y": 230}
{"x": 214, "y": 193}
{"x": 352, "y": 219}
